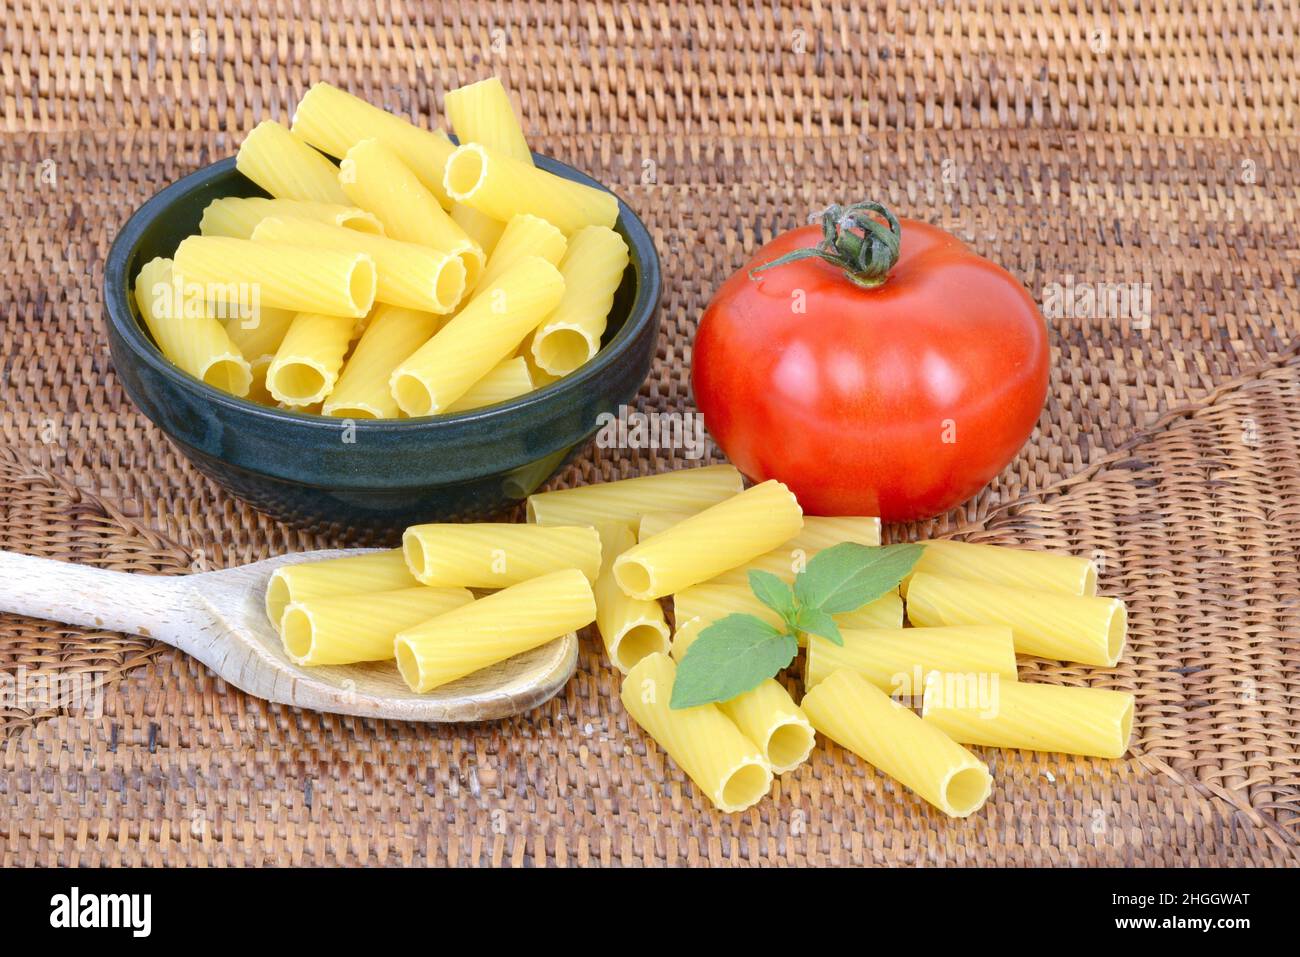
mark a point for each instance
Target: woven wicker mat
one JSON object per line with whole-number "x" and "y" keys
{"x": 1143, "y": 145}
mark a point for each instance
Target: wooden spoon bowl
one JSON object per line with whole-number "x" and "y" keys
{"x": 220, "y": 618}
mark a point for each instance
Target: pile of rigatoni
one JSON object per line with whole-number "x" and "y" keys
{"x": 414, "y": 278}
{"x": 612, "y": 552}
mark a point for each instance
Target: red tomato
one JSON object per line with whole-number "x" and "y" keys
{"x": 901, "y": 400}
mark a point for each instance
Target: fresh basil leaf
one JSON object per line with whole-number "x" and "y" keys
{"x": 772, "y": 592}
{"x": 847, "y": 576}
{"x": 731, "y": 656}
{"x": 814, "y": 621}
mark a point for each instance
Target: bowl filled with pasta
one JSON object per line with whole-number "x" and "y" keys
{"x": 358, "y": 323}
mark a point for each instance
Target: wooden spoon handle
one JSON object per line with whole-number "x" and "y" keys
{"x": 148, "y": 605}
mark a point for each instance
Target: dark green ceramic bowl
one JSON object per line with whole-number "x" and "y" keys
{"x": 299, "y": 469}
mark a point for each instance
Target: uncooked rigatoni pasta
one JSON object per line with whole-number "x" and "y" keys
{"x": 897, "y": 660}
{"x": 507, "y": 380}
{"x": 823, "y": 531}
{"x": 1086, "y": 629}
{"x": 492, "y": 629}
{"x": 782, "y": 562}
{"x": 482, "y": 334}
{"x": 710, "y": 542}
{"x": 257, "y": 392}
{"x": 351, "y": 575}
{"x": 480, "y": 227}
{"x": 333, "y": 121}
{"x": 705, "y": 743}
{"x": 417, "y": 277}
{"x": 1017, "y": 567}
{"x": 817, "y": 533}
{"x": 499, "y": 186}
{"x": 540, "y": 376}
{"x": 307, "y": 364}
{"x": 699, "y": 606}
{"x": 238, "y": 216}
{"x": 286, "y": 167}
{"x": 198, "y": 344}
{"x": 345, "y": 629}
{"x": 380, "y": 227}
{"x": 685, "y": 490}
{"x": 392, "y": 334}
{"x": 497, "y": 554}
{"x": 885, "y": 612}
{"x": 1088, "y": 721}
{"x": 768, "y": 716}
{"x": 482, "y": 113}
{"x": 592, "y": 268}
{"x": 524, "y": 235}
{"x": 858, "y": 716}
{"x": 375, "y": 178}
{"x": 630, "y": 628}
{"x": 299, "y": 278}
{"x": 652, "y": 523}
{"x": 258, "y": 335}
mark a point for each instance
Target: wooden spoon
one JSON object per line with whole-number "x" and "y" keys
{"x": 220, "y": 619}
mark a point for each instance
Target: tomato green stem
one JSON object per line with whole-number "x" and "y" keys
{"x": 855, "y": 241}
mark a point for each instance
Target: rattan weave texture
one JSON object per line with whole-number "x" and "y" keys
{"x": 1144, "y": 145}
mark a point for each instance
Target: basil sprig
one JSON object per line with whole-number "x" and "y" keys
{"x": 737, "y": 653}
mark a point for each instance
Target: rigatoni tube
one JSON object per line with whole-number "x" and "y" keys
{"x": 857, "y": 715}
{"x": 626, "y": 500}
{"x": 524, "y": 235}
{"x": 1088, "y": 630}
{"x": 885, "y": 612}
{"x": 197, "y": 343}
{"x": 630, "y": 628}
{"x": 344, "y": 629}
{"x": 699, "y": 606}
{"x": 238, "y": 216}
{"x": 497, "y": 554}
{"x": 375, "y": 178}
{"x": 791, "y": 557}
{"x": 719, "y": 538}
{"x": 417, "y": 277}
{"x": 333, "y": 121}
{"x": 592, "y": 268}
{"x": 507, "y": 380}
{"x": 374, "y": 571}
{"x": 492, "y": 629}
{"x": 768, "y": 716}
{"x": 1016, "y": 567}
{"x": 897, "y": 660}
{"x": 300, "y": 278}
{"x": 499, "y": 186}
{"x": 307, "y": 364}
{"x": 259, "y": 335}
{"x": 392, "y": 334}
{"x": 480, "y": 227}
{"x": 705, "y": 743}
{"x": 1088, "y": 721}
{"x": 483, "y": 333}
{"x": 482, "y": 113}
{"x": 286, "y": 167}
{"x": 819, "y": 531}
